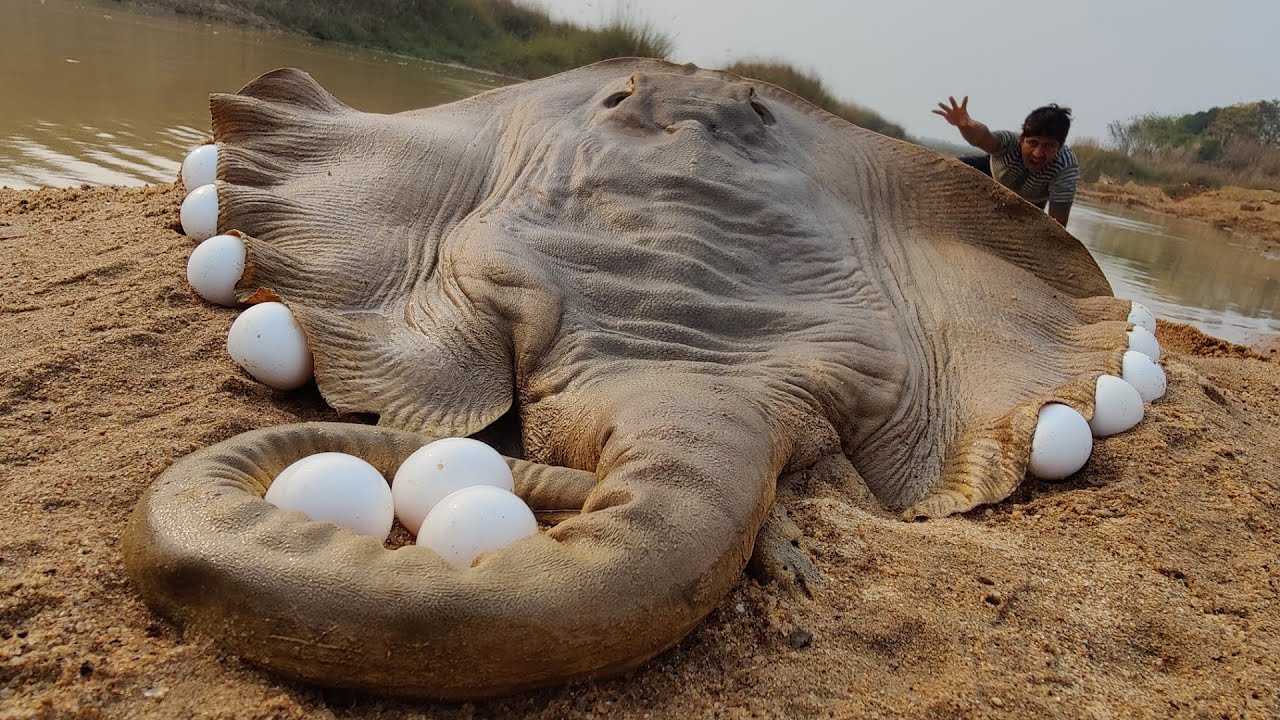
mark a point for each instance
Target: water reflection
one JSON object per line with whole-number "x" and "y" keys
{"x": 102, "y": 96}
{"x": 1184, "y": 270}
{"x": 111, "y": 154}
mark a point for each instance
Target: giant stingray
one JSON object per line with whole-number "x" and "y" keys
{"x": 659, "y": 287}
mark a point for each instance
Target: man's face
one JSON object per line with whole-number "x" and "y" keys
{"x": 1038, "y": 150}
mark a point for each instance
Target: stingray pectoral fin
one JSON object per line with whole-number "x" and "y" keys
{"x": 292, "y": 86}
{"x": 989, "y": 459}
{"x": 432, "y": 383}
{"x": 993, "y": 450}
{"x": 657, "y": 546}
{"x": 1001, "y": 346}
{"x": 359, "y": 202}
{"x": 417, "y": 361}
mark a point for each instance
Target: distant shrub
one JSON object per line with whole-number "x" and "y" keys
{"x": 1209, "y": 150}
{"x": 1095, "y": 162}
{"x": 513, "y": 18}
{"x": 811, "y": 88}
{"x": 627, "y": 38}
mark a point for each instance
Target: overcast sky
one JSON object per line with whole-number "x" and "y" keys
{"x": 1106, "y": 59}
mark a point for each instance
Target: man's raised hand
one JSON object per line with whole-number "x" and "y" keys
{"x": 956, "y": 114}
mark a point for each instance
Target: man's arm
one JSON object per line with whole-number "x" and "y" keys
{"x": 1062, "y": 189}
{"x": 973, "y": 132}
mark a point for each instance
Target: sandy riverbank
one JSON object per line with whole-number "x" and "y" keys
{"x": 1255, "y": 213}
{"x": 1146, "y": 587}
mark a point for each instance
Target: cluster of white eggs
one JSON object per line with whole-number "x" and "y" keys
{"x": 266, "y": 340}
{"x": 455, "y": 495}
{"x": 1063, "y": 439}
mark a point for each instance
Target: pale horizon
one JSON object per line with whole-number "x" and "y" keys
{"x": 1107, "y": 62}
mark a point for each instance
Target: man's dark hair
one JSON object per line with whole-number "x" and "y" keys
{"x": 1048, "y": 121}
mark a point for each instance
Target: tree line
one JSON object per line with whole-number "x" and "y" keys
{"x": 1232, "y": 145}
{"x": 1234, "y": 136}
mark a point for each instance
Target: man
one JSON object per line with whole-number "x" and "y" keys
{"x": 1037, "y": 164}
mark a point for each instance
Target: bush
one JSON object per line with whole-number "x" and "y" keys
{"x": 1209, "y": 151}
{"x": 514, "y": 19}
{"x": 1096, "y": 162}
{"x": 811, "y": 88}
{"x": 627, "y": 38}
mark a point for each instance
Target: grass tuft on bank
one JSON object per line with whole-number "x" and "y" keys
{"x": 811, "y": 88}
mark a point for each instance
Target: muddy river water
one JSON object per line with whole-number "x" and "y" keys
{"x": 93, "y": 94}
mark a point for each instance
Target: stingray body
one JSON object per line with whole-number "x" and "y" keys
{"x": 672, "y": 285}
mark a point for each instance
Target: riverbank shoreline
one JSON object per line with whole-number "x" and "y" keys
{"x": 237, "y": 19}
{"x": 500, "y": 37}
{"x": 1144, "y": 586}
{"x": 1254, "y": 214}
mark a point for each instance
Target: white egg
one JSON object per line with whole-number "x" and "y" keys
{"x": 1140, "y": 371}
{"x": 214, "y": 268}
{"x": 1061, "y": 444}
{"x": 200, "y": 167}
{"x": 199, "y": 213}
{"x": 475, "y": 520}
{"x": 1142, "y": 317}
{"x": 1143, "y": 341}
{"x": 338, "y": 488}
{"x": 1117, "y": 406}
{"x": 440, "y": 468}
{"x": 269, "y": 344}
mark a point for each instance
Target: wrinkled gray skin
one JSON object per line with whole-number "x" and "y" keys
{"x": 671, "y": 285}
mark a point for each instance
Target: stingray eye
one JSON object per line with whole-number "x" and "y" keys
{"x": 765, "y": 116}
{"x": 616, "y": 99}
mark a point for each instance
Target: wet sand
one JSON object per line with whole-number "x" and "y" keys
{"x": 1144, "y": 587}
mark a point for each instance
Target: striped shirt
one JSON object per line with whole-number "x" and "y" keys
{"x": 1055, "y": 183}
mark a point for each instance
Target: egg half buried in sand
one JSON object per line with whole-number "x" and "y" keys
{"x": 199, "y": 213}
{"x": 269, "y": 344}
{"x": 1061, "y": 444}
